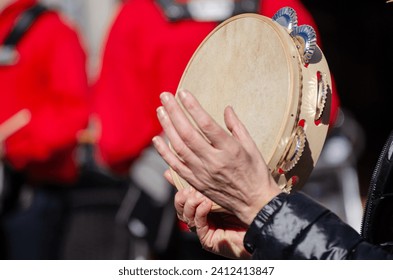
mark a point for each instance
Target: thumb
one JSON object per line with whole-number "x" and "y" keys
{"x": 201, "y": 221}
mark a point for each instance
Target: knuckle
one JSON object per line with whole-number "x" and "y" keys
{"x": 179, "y": 198}
{"x": 180, "y": 217}
{"x": 175, "y": 167}
{"x": 217, "y": 167}
{"x": 181, "y": 150}
{"x": 206, "y": 125}
{"x": 187, "y": 135}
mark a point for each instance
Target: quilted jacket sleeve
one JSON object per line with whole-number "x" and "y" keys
{"x": 296, "y": 227}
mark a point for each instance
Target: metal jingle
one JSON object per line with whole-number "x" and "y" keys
{"x": 294, "y": 150}
{"x": 306, "y": 36}
{"x": 322, "y": 94}
{"x": 286, "y": 17}
{"x": 287, "y": 188}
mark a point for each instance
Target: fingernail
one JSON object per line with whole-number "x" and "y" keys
{"x": 183, "y": 94}
{"x": 161, "y": 112}
{"x": 155, "y": 140}
{"x": 164, "y": 97}
{"x": 232, "y": 110}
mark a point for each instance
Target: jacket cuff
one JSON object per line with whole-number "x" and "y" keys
{"x": 253, "y": 233}
{"x": 280, "y": 224}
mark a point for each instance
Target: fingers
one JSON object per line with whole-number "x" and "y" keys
{"x": 235, "y": 126}
{"x": 238, "y": 130}
{"x": 182, "y": 135}
{"x": 168, "y": 177}
{"x": 173, "y": 161}
{"x": 201, "y": 222}
{"x": 180, "y": 200}
{"x": 213, "y": 132}
{"x": 193, "y": 201}
{"x": 187, "y": 204}
{"x": 174, "y": 138}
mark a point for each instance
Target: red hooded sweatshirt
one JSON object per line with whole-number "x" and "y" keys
{"x": 49, "y": 80}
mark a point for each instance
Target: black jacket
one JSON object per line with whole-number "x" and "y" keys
{"x": 293, "y": 226}
{"x": 296, "y": 227}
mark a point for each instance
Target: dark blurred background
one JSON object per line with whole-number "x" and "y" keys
{"x": 357, "y": 39}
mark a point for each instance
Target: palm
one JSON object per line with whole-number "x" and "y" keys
{"x": 223, "y": 234}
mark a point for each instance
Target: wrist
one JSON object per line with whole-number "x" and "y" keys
{"x": 260, "y": 201}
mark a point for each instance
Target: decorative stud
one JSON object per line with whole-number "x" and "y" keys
{"x": 294, "y": 150}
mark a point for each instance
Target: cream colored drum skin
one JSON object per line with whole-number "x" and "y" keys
{"x": 252, "y": 63}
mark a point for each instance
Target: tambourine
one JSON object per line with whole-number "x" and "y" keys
{"x": 274, "y": 75}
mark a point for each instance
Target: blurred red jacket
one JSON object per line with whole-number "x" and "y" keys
{"x": 49, "y": 80}
{"x": 145, "y": 55}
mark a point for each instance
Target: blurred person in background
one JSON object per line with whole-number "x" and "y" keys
{"x": 44, "y": 104}
{"x": 147, "y": 50}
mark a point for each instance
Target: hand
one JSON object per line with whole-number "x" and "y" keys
{"x": 218, "y": 233}
{"x": 227, "y": 168}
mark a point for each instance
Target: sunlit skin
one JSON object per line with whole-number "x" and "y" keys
{"x": 223, "y": 167}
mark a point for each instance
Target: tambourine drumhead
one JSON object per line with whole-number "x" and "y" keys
{"x": 254, "y": 65}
